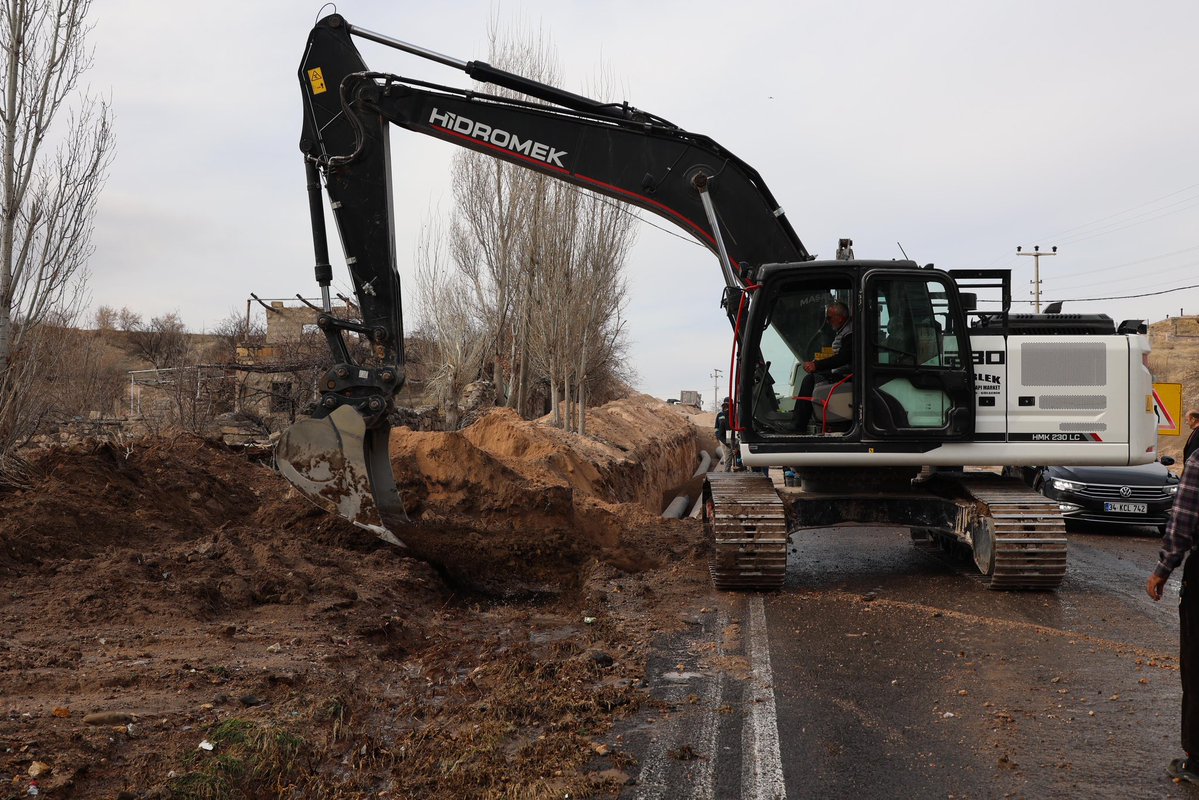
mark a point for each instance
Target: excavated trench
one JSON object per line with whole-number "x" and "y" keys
{"x": 511, "y": 508}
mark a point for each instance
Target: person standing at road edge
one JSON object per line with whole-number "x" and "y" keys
{"x": 722, "y": 427}
{"x": 1193, "y": 440}
{"x": 1182, "y": 535}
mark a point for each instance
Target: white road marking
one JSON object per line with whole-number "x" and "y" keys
{"x": 655, "y": 780}
{"x": 709, "y": 727}
{"x": 761, "y": 761}
{"x": 651, "y": 781}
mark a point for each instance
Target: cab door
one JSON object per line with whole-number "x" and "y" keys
{"x": 919, "y": 381}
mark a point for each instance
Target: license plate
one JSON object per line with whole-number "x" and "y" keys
{"x": 1127, "y": 508}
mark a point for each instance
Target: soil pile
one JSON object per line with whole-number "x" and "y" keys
{"x": 181, "y": 623}
{"x": 509, "y": 507}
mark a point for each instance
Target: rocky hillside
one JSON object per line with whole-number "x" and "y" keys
{"x": 1175, "y": 359}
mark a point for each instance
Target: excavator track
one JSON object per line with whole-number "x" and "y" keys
{"x": 745, "y": 520}
{"x": 1017, "y": 535}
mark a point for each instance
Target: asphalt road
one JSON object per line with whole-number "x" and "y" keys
{"x": 883, "y": 671}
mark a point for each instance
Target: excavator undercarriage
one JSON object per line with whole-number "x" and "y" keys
{"x": 746, "y": 523}
{"x": 1015, "y": 536}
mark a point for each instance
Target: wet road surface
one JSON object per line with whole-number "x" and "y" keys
{"x": 890, "y": 671}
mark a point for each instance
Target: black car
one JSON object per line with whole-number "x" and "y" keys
{"x": 1140, "y": 495}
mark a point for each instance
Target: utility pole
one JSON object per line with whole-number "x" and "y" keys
{"x": 1036, "y": 272}
{"x": 715, "y": 376}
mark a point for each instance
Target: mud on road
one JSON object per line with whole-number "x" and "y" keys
{"x": 932, "y": 685}
{"x": 180, "y": 623}
{"x": 894, "y": 672}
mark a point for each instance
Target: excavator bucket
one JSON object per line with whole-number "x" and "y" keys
{"x": 344, "y": 468}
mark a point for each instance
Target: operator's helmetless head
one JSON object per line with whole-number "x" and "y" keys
{"x": 1193, "y": 418}
{"x": 837, "y": 314}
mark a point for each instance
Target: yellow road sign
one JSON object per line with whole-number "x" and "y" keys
{"x": 1167, "y": 404}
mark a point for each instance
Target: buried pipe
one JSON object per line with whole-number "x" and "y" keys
{"x": 681, "y": 504}
{"x": 677, "y": 507}
{"x": 705, "y": 464}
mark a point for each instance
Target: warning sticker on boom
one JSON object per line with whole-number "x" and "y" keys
{"x": 317, "y": 79}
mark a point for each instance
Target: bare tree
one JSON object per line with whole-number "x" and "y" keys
{"x": 47, "y": 198}
{"x": 577, "y": 332}
{"x": 450, "y": 321}
{"x": 239, "y": 329}
{"x": 163, "y": 342}
{"x": 127, "y": 320}
{"x": 92, "y": 376}
{"x": 601, "y": 249}
{"x": 105, "y": 319}
{"x": 224, "y": 384}
{"x": 540, "y": 261}
{"x": 493, "y": 201}
{"x": 294, "y": 373}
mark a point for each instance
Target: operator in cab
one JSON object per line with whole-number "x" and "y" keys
{"x": 826, "y": 370}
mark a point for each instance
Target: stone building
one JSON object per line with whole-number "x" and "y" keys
{"x": 279, "y": 375}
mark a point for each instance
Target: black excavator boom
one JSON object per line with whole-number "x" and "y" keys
{"x": 339, "y": 456}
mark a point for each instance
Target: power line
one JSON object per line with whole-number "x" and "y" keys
{"x": 624, "y": 207}
{"x": 1070, "y": 234}
{"x": 1131, "y": 296}
{"x": 1096, "y": 299}
{"x": 1139, "y": 279}
{"x": 1091, "y": 271}
{"x": 1191, "y": 203}
{"x": 1069, "y": 231}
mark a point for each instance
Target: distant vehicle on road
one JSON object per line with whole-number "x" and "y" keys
{"x": 1139, "y": 495}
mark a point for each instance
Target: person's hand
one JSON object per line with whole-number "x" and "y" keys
{"x": 809, "y": 366}
{"x": 1155, "y": 586}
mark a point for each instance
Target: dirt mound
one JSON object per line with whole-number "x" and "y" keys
{"x": 185, "y": 529}
{"x": 89, "y": 499}
{"x": 510, "y": 507}
{"x": 634, "y": 450}
{"x": 186, "y": 593}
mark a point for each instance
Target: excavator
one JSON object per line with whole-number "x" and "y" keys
{"x": 932, "y": 386}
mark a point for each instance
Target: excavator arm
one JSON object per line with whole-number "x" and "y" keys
{"x": 339, "y": 457}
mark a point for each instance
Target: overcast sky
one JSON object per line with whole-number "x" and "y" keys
{"x": 958, "y": 130}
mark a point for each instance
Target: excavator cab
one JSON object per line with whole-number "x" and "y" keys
{"x": 916, "y": 361}
{"x": 908, "y": 374}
